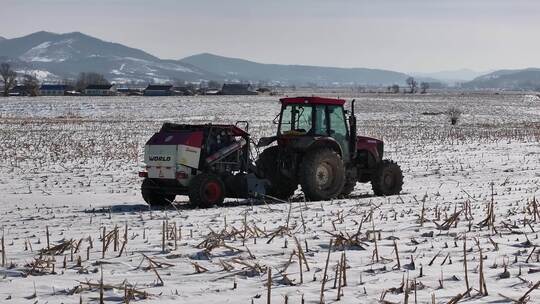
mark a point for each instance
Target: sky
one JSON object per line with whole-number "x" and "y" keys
{"x": 401, "y": 35}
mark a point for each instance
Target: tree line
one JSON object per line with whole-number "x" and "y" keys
{"x": 412, "y": 87}
{"x": 31, "y": 84}
{"x": 10, "y": 78}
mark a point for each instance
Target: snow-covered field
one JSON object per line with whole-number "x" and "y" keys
{"x": 69, "y": 166}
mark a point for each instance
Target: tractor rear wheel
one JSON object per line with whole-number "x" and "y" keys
{"x": 206, "y": 190}
{"x": 322, "y": 174}
{"x": 281, "y": 186}
{"x": 388, "y": 179}
{"x": 154, "y": 197}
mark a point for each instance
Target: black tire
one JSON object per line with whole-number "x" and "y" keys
{"x": 153, "y": 197}
{"x": 280, "y": 186}
{"x": 388, "y": 179}
{"x": 348, "y": 187}
{"x": 322, "y": 174}
{"x": 206, "y": 190}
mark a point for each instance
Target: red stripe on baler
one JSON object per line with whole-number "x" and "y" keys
{"x": 192, "y": 139}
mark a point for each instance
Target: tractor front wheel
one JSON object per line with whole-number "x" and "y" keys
{"x": 152, "y": 196}
{"x": 388, "y": 179}
{"x": 206, "y": 190}
{"x": 322, "y": 175}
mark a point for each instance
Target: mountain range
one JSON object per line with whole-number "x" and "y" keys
{"x": 53, "y": 57}
{"x": 233, "y": 68}
{"x": 524, "y": 79}
{"x": 57, "y": 56}
{"x": 451, "y": 77}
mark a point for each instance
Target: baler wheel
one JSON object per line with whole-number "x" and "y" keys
{"x": 206, "y": 190}
{"x": 388, "y": 179}
{"x": 153, "y": 197}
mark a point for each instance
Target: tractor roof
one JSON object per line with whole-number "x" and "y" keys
{"x": 312, "y": 100}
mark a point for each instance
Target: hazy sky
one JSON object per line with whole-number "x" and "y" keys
{"x": 403, "y": 35}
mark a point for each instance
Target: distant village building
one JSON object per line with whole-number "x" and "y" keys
{"x": 100, "y": 90}
{"x": 184, "y": 90}
{"x": 211, "y": 92}
{"x": 158, "y": 90}
{"x": 130, "y": 91}
{"x": 237, "y": 89}
{"x": 54, "y": 89}
{"x": 18, "y": 90}
{"x": 122, "y": 91}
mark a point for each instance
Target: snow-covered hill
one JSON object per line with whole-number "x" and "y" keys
{"x": 240, "y": 69}
{"x": 66, "y": 55}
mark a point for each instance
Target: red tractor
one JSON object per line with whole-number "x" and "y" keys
{"x": 317, "y": 148}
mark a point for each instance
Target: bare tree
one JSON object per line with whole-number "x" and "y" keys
{"x": 31, "y": 85}
{"x": 9, "y": 77}
{"x": 86, "y": 79}
{"x": 215, "y": 85}
{"x": 424, "y": 86}
{"x": 178, "y": 82}
{"x": 413, "y": 85}
{"x": 393, "y": 89}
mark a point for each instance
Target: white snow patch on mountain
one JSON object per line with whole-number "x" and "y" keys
{"x": 49, "y": 52}
{"x": 531, "y": 98}
{"x": 41, "y": 75}
{"x": 164, "y": 66}
{"x": 161, "y": 80}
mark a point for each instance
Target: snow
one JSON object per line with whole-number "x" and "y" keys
{"x": 531, "y": 98}
{"x": 49, "y": 52}
{"x": 165, "y": 66}
{"x": 70, "y": 164}
{"x": 41, "y": 75}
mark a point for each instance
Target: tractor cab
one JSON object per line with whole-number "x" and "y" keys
{"x": 305, "y": 120}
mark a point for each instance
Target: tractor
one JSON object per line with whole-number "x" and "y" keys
{"x": 316, "y": 147}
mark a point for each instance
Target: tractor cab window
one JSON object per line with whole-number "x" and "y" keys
{"x": 296, "y": 118}
{"x": 338, "y": 126}
{"x": 321, "y": 121}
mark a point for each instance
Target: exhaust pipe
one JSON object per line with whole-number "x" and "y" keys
{"x": 352, "y": 133}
